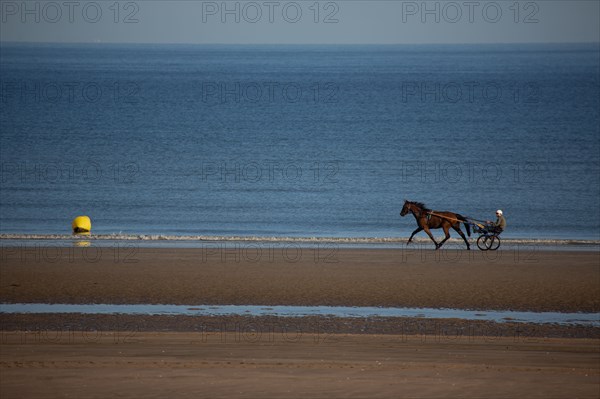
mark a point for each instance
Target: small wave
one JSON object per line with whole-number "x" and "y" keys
{"x": 339, "y": 240}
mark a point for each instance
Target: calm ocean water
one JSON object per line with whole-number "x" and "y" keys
{"x": 298, "y": 140}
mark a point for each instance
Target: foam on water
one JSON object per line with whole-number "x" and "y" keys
{"x": 340, "y": 240}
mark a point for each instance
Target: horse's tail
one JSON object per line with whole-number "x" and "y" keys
{"x": 466, "y": 223}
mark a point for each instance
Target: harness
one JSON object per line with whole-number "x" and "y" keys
{"x": 431, "y": 213}
{"x": 479, "y": 223}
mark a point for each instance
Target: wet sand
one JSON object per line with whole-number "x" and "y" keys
{"x": 82, "y": 356}
{"x": 348, "y": 366}
{"x": 289, "y": 275}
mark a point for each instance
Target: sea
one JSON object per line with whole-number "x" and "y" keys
{"x": 298, "y": 141}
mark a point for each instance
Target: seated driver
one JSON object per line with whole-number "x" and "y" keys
{"x": 500, "y": 223}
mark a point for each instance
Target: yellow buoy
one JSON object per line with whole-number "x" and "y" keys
{"x": 82, "y": 225}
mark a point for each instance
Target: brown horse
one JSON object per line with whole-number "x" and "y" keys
{"x": 428, "y": 219}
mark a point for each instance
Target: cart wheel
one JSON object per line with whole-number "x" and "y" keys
{"x": 488, "y": 242}
{"x": 494, "y": 242}
{"x": 481, "y": 243}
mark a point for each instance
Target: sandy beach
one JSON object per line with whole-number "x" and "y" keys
{"x": 351, "y": 366}
{"x": 291, "y": 275}
{"x": 71, "y": 355}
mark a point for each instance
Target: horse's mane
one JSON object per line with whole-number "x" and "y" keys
{"x": 420, "y": 205}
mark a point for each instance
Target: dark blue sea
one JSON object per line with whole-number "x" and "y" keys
{"x": 298, "y": 141}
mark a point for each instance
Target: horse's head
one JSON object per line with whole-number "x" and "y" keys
{"x": 416, "y": 208}
{"x": 405, "y": 208}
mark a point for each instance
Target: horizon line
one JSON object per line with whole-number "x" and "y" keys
{"x": 2, "y": 42}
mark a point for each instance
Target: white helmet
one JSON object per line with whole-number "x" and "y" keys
{"x": 499, "y": 212}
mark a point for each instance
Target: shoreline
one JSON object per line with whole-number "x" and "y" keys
{"x": 199, "y": 241}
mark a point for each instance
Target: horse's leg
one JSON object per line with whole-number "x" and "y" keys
{"x": 414, "y": 232}
{"x": 459, "y": 231}
{"x": 426, "y": 228}
{"x": 446, "y": 228}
